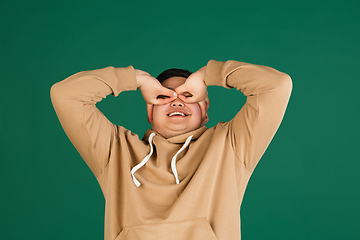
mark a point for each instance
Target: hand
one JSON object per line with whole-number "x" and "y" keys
{"x": 195, "y": 90}
{"x": 151, "y": 89}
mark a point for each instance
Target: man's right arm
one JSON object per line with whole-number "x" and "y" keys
{"x": 74, "y": 101}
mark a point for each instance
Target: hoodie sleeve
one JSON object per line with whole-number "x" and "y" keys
{"x": 74, "y": 101}
{"x": 268, "y": 92}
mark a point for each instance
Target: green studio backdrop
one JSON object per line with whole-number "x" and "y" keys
{"x": 306, "y": 184}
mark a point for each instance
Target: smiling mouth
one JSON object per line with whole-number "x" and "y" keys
{"x": 177, "y": 114}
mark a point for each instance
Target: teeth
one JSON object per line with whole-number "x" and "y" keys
{"x": 176, "y": 114}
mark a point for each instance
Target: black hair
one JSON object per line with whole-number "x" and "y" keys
{"x": 174, "y": 72}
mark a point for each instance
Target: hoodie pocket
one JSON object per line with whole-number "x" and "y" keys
{"x": 193, "y": 229}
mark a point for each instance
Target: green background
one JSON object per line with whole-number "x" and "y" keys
{"x": 305, "y": 186}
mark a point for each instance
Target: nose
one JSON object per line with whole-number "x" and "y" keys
{"x": 177, "y": 103}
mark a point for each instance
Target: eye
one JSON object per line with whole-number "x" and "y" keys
{"x": 187, "y": 94}
{"x": 162, "y": 97}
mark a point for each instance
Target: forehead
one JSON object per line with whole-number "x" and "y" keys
{"x": 173, "y": 82}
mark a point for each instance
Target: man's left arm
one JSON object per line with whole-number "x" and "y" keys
{"x": 267, "y": 91}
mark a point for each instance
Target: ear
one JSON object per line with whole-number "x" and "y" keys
{"x": 149, "y": 109}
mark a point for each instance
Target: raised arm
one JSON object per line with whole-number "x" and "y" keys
{"x": 74, "y": 101}
{"x": 267, "y": 91}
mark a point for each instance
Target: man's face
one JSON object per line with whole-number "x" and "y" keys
{"x": 176, "y": 117}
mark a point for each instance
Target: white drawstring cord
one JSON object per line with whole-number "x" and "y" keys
{"x": 143, "y": 162}
{"x": 173, "y": 160}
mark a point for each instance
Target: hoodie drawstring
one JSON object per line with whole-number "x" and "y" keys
{"x": 173, "y": 160}
{"x": 143, "y": 162}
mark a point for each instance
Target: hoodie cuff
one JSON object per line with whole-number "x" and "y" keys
{"x": 214, "y": 74}
{"x": 126, "y": 80}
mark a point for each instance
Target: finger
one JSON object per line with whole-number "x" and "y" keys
{"x": 204, "y": 106}
{"x": 167, "y": 92}
{"x": 186, "y": 94}
{"x": 162, "y": 101}
{"x": 191, "y": 98}
{"x": 162, "y": 96}
{"x": 188, "y": 99}
{"x": 184, "y": 98}
{"x": 149, "y": 109}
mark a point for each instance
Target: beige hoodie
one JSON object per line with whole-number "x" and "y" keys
{"x": 213, "y": 168}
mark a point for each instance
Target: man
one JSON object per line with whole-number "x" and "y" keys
{"x": 183, "y": 180}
